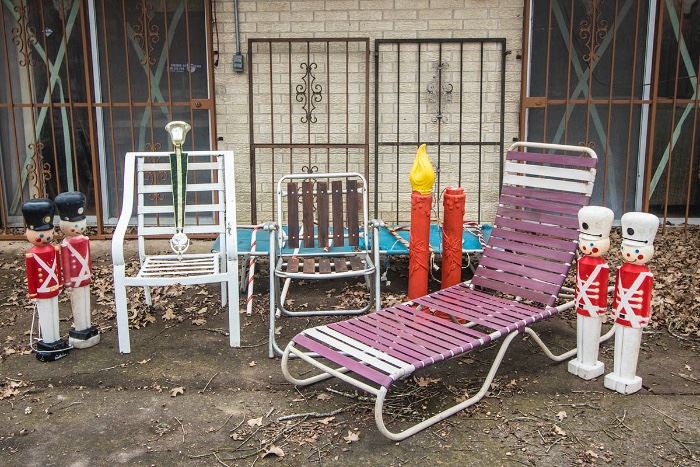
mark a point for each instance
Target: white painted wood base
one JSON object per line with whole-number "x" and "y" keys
{"x": 48, "y": 319}
{"x": 586, "y": 364}
{"x": 624, "y": 377}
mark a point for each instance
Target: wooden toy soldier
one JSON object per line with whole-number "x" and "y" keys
{"x": 77, "y": 267}
{"x": 43, "y": 272}
{"x": 632, "y": 299}
{"x": 591, "y": 297}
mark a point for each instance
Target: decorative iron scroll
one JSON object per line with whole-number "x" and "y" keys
{"x": 146, "y": 34}
{"x": 309, "y": 93}
{"x": 439, "y": 92}
{"x": 38, "y": 170}
{"x": 23, "y": 36}
{"x": 592, "y": 30}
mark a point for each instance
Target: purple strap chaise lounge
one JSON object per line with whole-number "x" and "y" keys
{"x": 516, "y": 284}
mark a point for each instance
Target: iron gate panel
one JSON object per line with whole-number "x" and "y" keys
{"x": 622, "y": 77}
{"x": 308, "y": 110}
{"x": 85, "y": 81}
{"x": 450, "y": 95}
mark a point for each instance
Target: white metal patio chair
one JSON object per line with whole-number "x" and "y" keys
{"x": 210, "y": 203}
{"x": 326, "y": 245}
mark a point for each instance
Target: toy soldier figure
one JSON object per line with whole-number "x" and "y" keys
{"x": 591, "y": 297}
{"x": 77, "y": 267}
{"x": 632, "y": 299}
{"x": 43, "y": 271}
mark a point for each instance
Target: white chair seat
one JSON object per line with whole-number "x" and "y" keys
{"x": 173, "y": 266}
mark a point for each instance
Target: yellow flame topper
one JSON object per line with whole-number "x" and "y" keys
{"x": 422, "y": 174}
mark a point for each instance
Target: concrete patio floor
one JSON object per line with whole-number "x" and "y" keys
{"x": 184, "y": 397}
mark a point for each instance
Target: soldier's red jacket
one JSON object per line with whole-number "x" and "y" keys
{"x": 43, "y": 271}
{"x": 76, "y": 261}
{"x": 627, "y": 275}
{"x": 585, "y": 267}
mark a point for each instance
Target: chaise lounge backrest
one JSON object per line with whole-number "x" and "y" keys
{"x": 534, "y": 239}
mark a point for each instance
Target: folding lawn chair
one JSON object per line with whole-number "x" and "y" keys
{"x": 324, "y": 246}
{"x": 516, "y": 284}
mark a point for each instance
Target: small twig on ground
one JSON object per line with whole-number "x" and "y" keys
{"x": 183, "y": 429}
{"x": 166, "y": 328}
{"x": 214, "y": 330}
{"x": 224, "y": 424}
{"x": 247, "y": 439}
{"x": 123, "y": 365}
{"x": 269, "y": 412}
{"x": 687, "y": 378}
{"x": 314, "y": 414}
{"x": 216, "y": 456}
{"x": 237, "y": 426}
{"x": 257, "y": 344}
{"x": 541, "y": 437}
{"x": 552, "y": 445}
{"x": 208, "y": 383}
{"x": 662, "y": 413}
{"x": 621, "y": 421}
{"x": 348, "y": 394}
{"x": 690, "y": 453}
{"x": 71, "y": 405}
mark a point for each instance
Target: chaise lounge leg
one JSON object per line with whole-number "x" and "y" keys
{"x": 569, "y": 353}
{"x": 120, "y": 303}
{"x": 311, "y": 380}
{"x": 379, "y": 403}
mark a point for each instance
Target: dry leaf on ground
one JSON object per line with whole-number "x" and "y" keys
{"x": 255, "y": 422}
{"x": 558, "y": 430}
{"x": 274, "y": 451}
{"x": 174, "y": 392}
{"x": 352, "y": 437}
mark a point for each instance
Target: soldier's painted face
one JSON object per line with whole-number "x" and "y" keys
{"x": 39, "y": 237}
{"x": 73, "y": 228}
{"x": 636, "y": 254}
{"x": 590, "y": 247}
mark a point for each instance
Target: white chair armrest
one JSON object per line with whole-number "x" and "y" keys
{"x": 118, "y": 236}
{"x": 125, "y": 216}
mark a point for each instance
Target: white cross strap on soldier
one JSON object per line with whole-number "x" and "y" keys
{"x": 584, "y": 287}
{"x": 84, "y": 266}
{"x": 625, "y": 309}
{"x": 50, "y": 273}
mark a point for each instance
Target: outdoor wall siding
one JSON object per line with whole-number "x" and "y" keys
{"x": 373, "y": 19}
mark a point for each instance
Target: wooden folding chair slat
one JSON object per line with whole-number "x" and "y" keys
{"x": 324, "y": 265}
{"x": 293, "y": 264}
{"x": 353, "y": 226}
{"x": 340, "y": 264}
{"x": 356, "y": 263}
{"x": 293, "y": 215}
{"x": 338, "y": 227}
{"x": 307, "y": 189}
{"x": 322, "y": 208}
{"x": 309, "y": 265}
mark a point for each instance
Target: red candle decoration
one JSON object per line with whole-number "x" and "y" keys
{"x": 422, "y": 177}
{"x": 453, "y": 203}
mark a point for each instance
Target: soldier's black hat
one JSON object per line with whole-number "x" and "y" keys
{"x": 71, "y": 206}
{"x": 38, "y": 214}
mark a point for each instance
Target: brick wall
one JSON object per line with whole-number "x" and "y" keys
{"x": 373, "y": 19}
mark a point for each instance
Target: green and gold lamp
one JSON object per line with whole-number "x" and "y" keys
{"x": 178, "y": 170}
